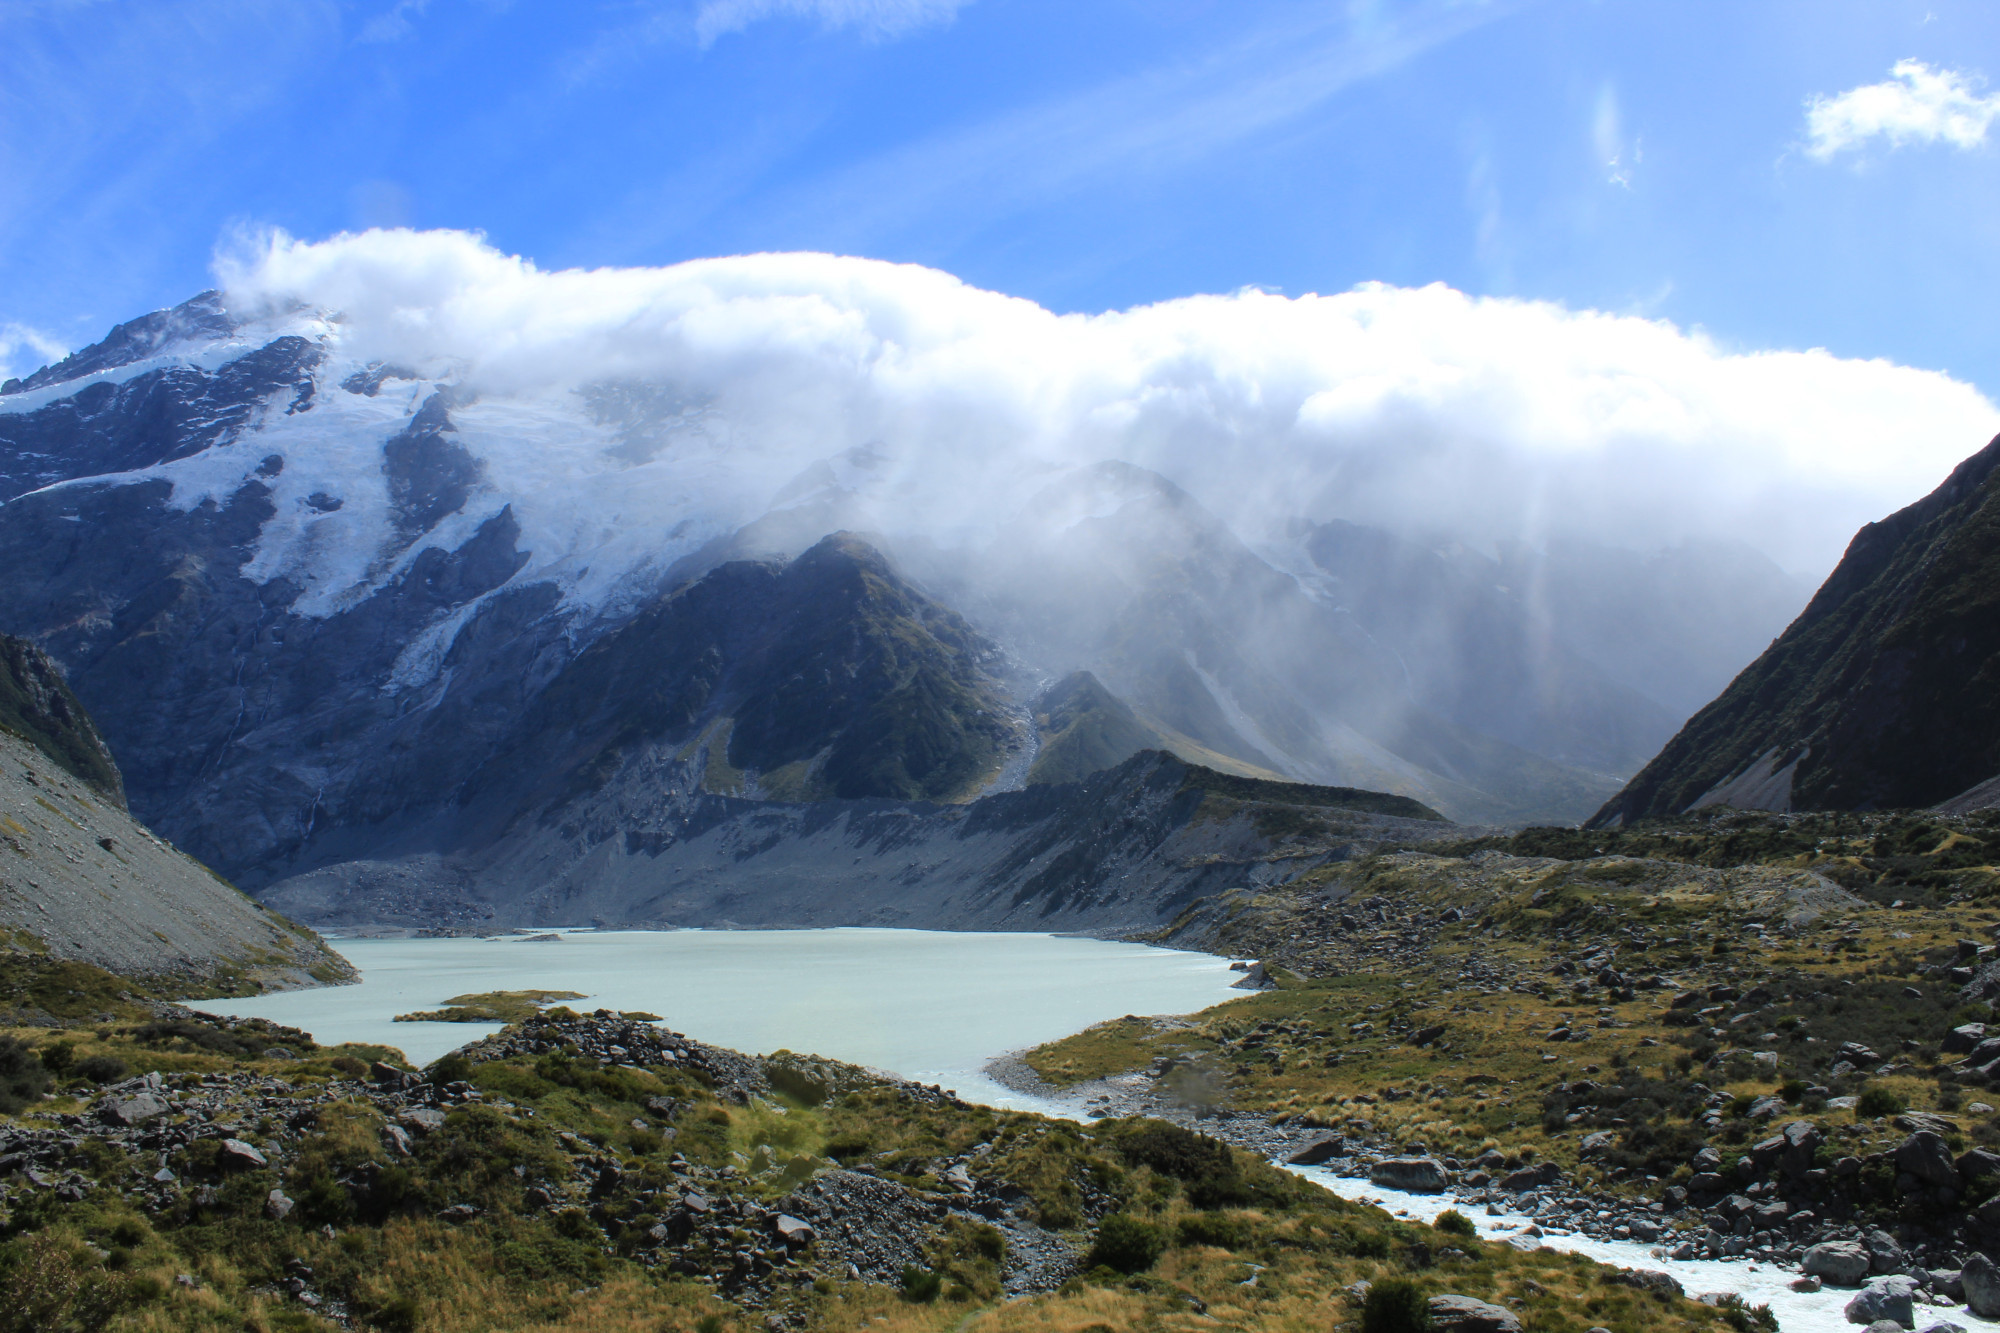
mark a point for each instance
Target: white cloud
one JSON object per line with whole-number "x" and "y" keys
{"x": 1423, "y": 409}
{"x": 24, "y": 349}
{"x": 883, "y": 18}
{"x": 1917, "y": 105}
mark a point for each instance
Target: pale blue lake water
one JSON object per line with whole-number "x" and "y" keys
{"x": 935, "y": 1006}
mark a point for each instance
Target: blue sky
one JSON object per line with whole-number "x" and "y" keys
{"x": 1638, "y": 156}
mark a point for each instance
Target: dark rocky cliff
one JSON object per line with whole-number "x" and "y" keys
{"x": 1885, "y": 692}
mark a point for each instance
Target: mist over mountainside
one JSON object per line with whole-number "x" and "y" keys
{"x": 1879, "y": 696}
{"x": 332, "y": 595}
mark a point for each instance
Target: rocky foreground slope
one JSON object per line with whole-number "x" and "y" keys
{"x": 604, "y": 1172}
{"x": 1744, "y": 1035}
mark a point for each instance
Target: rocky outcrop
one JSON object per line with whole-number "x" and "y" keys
{"x": 36, "y": 705}
{"x": 1878, "y": 695}
{"x": 1126, "y": 850}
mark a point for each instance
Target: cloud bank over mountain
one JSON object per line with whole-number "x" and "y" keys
{"x": 1424, "y": 410}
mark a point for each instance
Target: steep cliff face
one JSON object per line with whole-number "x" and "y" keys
{"x": 36, "y": 706}
{"x": 1885, "y": 692}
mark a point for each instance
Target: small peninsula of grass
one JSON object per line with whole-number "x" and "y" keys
{"x": 494, "y": 1006}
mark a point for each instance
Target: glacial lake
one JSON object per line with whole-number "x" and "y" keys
{"x": 934, "y": 1006}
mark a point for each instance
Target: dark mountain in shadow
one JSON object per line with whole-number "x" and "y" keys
{"x": 1885, "y": 692}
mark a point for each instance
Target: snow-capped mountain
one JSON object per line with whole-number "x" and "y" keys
{"x": 328, "y": 606}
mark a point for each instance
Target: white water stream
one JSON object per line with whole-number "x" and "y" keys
{"x": 934, "y": 1006}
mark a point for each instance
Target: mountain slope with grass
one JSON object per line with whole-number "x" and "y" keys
{"x": 1881, "y": 695}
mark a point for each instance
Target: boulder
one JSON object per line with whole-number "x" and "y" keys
{"x": 791, "y": 1230}
{"x": 1843, "y": 1263}
{"x": 1708, "y": 1182}
{"x": 1927, "y": 1157}
{"x": 1891, "y": 1298}
{"x": 1599, "y": 1142}
{"x": 277, "y": 1207}
{"x": 1987, "y": 1049}
{"x": 236, "y": 1155}
{"x": 423, "y": 1119}
{"x": 1708, "y": 1159}
{"x": 1531, "y": 1178}
{"x": 1803, "y": 1140}
{"x": 1884, "y": 1254}
{"x": 1977, "y": 1162}
{"x": 129, "y": 1111}
{"x": 1963, "y": 1038}
{"x": 1981, "y": 1277}
{"x": 1414, "y": 1175}
{"x": 1647, "y": 1279}
{"x": 1463, "y": 1314}
{"x": 1322, "y": 1149}
{"x": 1942, "y": 1326}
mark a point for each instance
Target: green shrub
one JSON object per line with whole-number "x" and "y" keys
{"x": 99, "y": 1068}
{"x": 49, "y": 1284}
{"x": 23, "y": 1077}
{"x": 1127, "y": 1244}
{"x": 1217, "y": 1229}
{"x": 1395, "y": 1306}
{"x": 1455, "y": 1223}
{"x": 1877, "y": 1102}
{"x": 920, "y": 1285}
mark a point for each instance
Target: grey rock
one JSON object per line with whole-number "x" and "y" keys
{"x": 1531, "y": 1178}
{"x": 1463, "y": 1314}
{"x": 236, "y": 1155}
{"x": 1963, "y": 1038}
{"x": 1927, "y": 1157}
{"x": 1843, "y": 1263}
{"x": 1885, "y": 1255}
{"x": 791, "y": 1230}
{"x": 1943, "y": 1326}
{"x": 1891, "y": 1298}
{"x": 1597, "y": 1143}
{"x": 1647, "y": 1279}
{"x": 277, "y": 1207}
{"x": 1322, "y": 1149}
{"x": 1415, "y": 1175}
{"x": 1977, "y": 1162}
{"x": 1981, "y": 1279}
{"x": 129, "y": 1111}
{"x": 423, "y": 1119}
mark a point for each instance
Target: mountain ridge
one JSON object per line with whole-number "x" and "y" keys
{"x": 1879, "y": 695}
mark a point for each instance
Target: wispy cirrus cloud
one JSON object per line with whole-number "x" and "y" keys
{"x": 880, "y": 18}
{"x": 1915, "y": 105}
{"x": 23, "y": 349}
